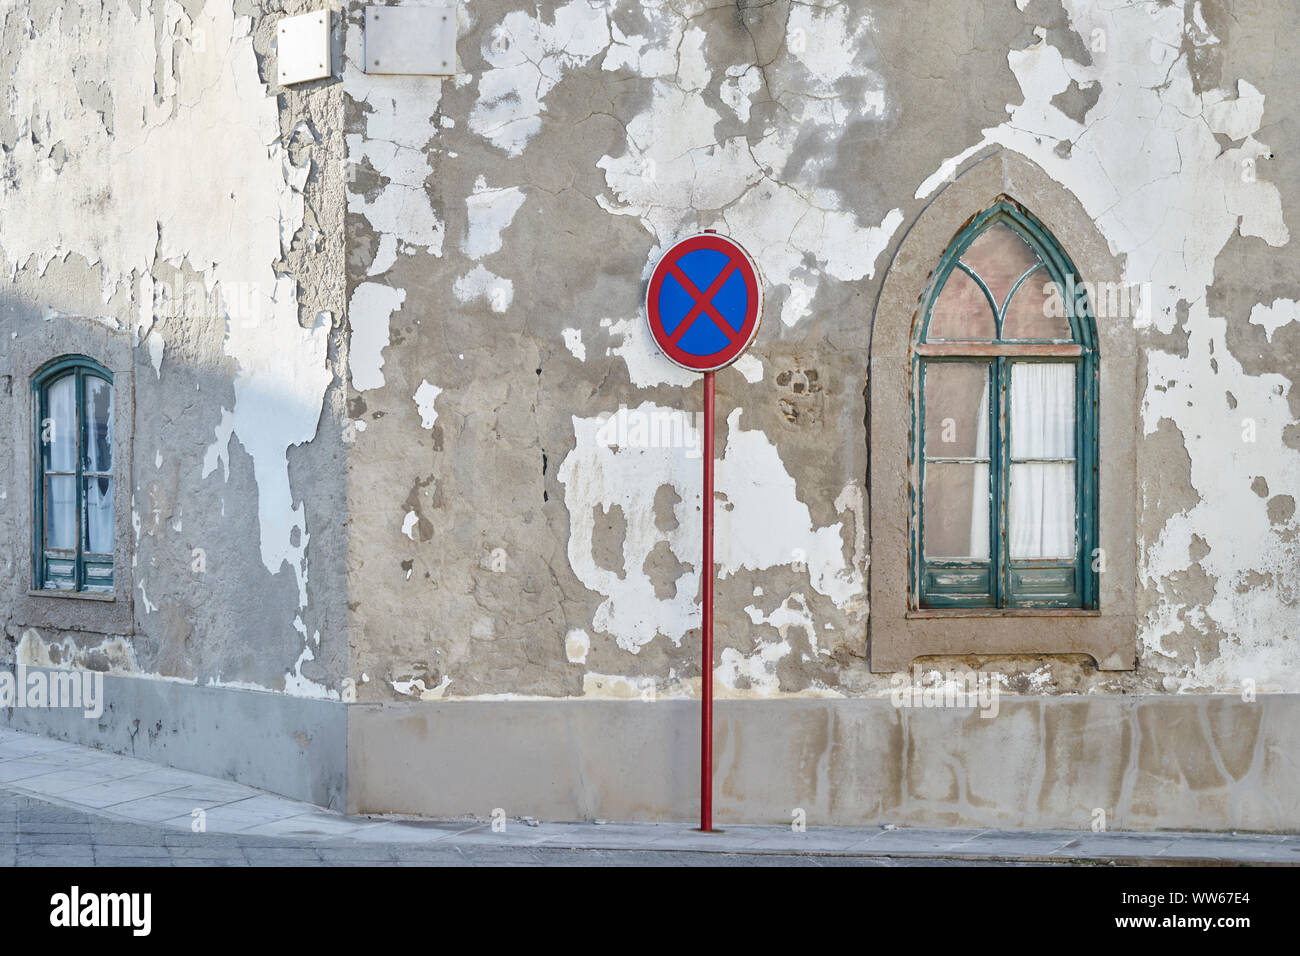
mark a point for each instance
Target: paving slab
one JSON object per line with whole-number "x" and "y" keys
{"x": 37, "y": 765}
{"x": 156, "y": 809}
{"x": 110, "y": 793}
{"x": 312, "y": 826}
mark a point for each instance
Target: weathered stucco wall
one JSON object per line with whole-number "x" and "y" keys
{"x": 399, "y": 429}
{"x": 527, "y": 534}
{"x": 162, "y": 202}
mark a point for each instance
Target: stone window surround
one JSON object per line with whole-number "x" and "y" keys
{"x": 109, "y": 614}
{"x": 898, "y": 632}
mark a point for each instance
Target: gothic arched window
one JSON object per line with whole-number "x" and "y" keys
{"x": 1005, "y": 373}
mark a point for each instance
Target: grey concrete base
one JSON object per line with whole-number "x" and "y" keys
{"x": 1146, "y": 763}
{"x": 288, "y": 745}
{"x": 1130, "y": 763}
{"x": 66, "y": 805}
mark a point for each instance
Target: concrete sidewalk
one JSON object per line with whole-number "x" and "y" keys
{"x": 71, "y": 801}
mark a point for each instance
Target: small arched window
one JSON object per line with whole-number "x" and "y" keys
{"x": 73, "y": 469}
{"x": 1004, "y": 366}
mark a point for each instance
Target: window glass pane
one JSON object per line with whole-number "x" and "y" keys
{"x": 59, "y": 429}
{"x": 98, "y": 424}
{"x": 1042, "y": 410}
{"x": 962, "y": 311}
{"x": 1037, "y": 311}
{"x": 61, "y": 512}
{"x": 956, "y": 410}
{"x": 999, "y": 256}
{"x": 956, "y": 511}
{"x": 1040, "y": 511}
{"x": 99, "y": 515}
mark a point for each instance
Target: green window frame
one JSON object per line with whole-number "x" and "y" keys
{"x": 989, "y": 576}
{"x": 73, "y": 485}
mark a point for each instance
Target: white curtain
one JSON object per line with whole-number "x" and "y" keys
{"x": 1040, "y": 510}
{"x": 61, "y": 512}
{"x": 99, "y": 425}
{"x": 59, "y": 432}
{"x": 980, "y": 496}
{"x": 60, "y": 426}
{"x": 99, "y": 457}
{"x": 99, "y": 515}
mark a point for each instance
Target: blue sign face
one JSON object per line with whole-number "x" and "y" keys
{"x": 702, "y": 269}
{"x": 703, "y": 302}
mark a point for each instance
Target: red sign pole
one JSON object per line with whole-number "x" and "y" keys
{"x": 706, "y": 673}
{"x": 732, "y": 303}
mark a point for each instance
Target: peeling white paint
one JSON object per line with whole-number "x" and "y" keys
{"x": 573, "y": 342}
{"x": 211, "y": 117}
{"x": 1275, "y": 315}
{"x": 231, "y": 142}
{"x": 576, "y": 645}
{"x": 528, "y": 55}
{"x": 481, "y": 284}
{"x": 755, "y": 674}
{"x": 146, "y": 606}
{"x": 618, "y": 687}
{"x": 1150, "y": 204}
{"x": 490, "y": 211}
{"x": 594, "y": 475}
{"x": 760, "y": 522}
{"x": 739, "y": 87}
{"x": 299, "y": 686}
{"x": 674, "y": 170}
{"x": 282, "y": 368}
{"x": 156, "y": 344}
{"x": 424, "y": 398}
{"x": 1235, "y": 118}
{"x": 372, "y": 305}
{"x": 750, "y": 366}
{"x": 646, "y": 366}
{"x": 415, "y": 687}
{"x": 400, "y": 126}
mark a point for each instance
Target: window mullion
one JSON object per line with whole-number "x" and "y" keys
{"x": 916, "y": 475}
{"x": 78, "y": 569}
{"x": 997, "y": 479}
{"x": 1084, "y": 475}
{"x": 39, "y": 528}
{"x": 918, "y": 419}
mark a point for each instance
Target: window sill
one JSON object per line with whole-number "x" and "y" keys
{"x": 74, "y": 595}
{"x": 1001, "y": 612}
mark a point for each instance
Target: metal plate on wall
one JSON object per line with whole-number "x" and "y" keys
{"x": 411, "y": 40}
{"x": 303, "y": 47}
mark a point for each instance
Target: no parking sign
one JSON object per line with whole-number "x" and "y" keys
{"x": 703, "y": 306}
{"x": 704, "y": 302}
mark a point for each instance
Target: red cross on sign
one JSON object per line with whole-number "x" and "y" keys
{"x": 704, "y": 302}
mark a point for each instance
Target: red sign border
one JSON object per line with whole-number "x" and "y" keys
{"x": 753, "y": 314}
